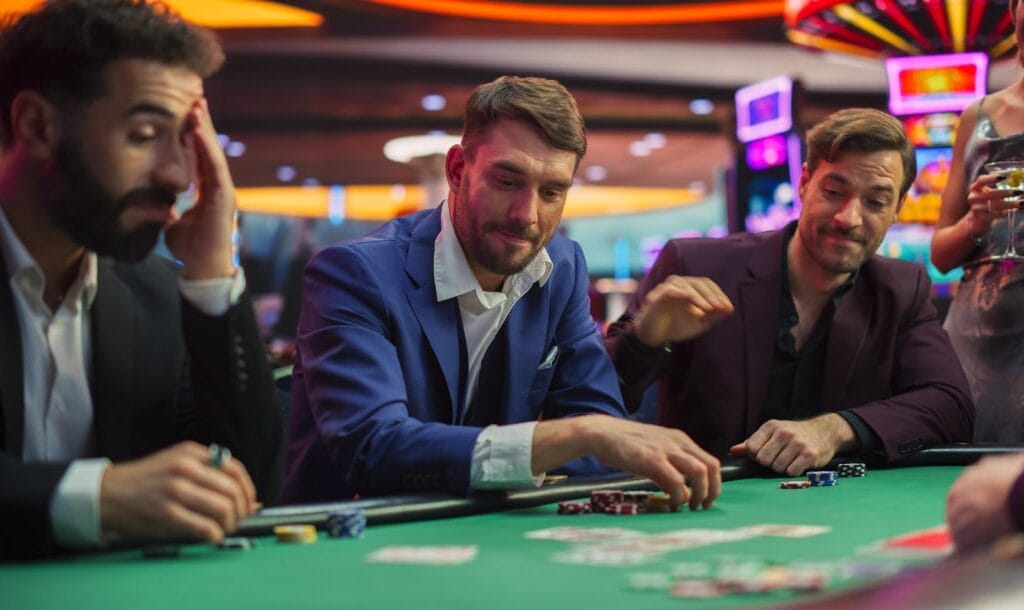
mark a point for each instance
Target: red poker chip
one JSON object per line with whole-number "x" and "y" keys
{"x": 623, "y": 508}
{"x": 602, "y": 499}
{"x": 794, "y": 484}
{"x": 571, "y": 507}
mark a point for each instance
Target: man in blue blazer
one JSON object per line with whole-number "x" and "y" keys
{"x": 453, "y": 349}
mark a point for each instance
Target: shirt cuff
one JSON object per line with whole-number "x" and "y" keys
{"x": 75, "y": 506}
{"x": 502, "y": 456}
{"x": 214, "y": 297}
{"x": 869, "y": 441}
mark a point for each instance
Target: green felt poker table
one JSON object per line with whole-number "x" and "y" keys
{"x": 511, "y": 569}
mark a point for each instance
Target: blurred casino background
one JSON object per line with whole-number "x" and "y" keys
{"x": 335, "y": 113}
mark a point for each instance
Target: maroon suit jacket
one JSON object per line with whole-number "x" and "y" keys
{"x": 887, "y": 360}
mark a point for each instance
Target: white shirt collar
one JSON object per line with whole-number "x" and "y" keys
{"x": 453, "y": 276}
{"x": 27, "y": 275}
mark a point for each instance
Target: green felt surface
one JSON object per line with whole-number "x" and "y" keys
{"x": 510, "y": 571}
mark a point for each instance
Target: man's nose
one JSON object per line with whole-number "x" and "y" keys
{"x": 173, "y": 170}
{"x": 850, "y": 213}
{"x": 525, "y": 208}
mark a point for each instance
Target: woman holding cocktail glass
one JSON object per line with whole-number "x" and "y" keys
{"x": 977, "y": 231}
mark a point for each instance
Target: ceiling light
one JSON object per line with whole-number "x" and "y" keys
{"x": 655, "y": 140}
{"x": 286, "y": 173}
{"x": 596, "y": 173}
{"x": 639, "y": 148}
{"x": 702, "y": 106}
{"x": 408, "y": 148}
{"x": 234, "y": 149}
{"x": 433, "y": 102}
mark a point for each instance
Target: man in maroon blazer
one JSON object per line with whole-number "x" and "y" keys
{"x": 796, "y": 345}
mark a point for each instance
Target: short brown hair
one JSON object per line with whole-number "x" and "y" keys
{"x": 864, "y": 130}
{"x": 62, "y": 48}
{"x": 543, "y": 102}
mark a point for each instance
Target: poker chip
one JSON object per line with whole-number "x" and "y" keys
{"x": 824, "y": 483}
{"x": 822, "y": 478}
{"x": 346, "y": 523}
{"x": 852, "y": 469}
{"x": 636, "y": 497}
{"x": 658, "y": 503}
{"x": 296, "y": 534}
{"x": 573, "y": 507}
{"x": 794, "y": 484}
{"x": 236, "y": 543}
{"x": 602, "y": 499}
{"x": 623, "y": 508}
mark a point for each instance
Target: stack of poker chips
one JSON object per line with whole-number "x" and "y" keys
{"x": 852, "y": 469}
{"x": 601, "y": 499}
{"x": 617, "y": 502}
{"x": 823, "y": 478}
{"x": 346, "y": 523}
{"x": 623, "y": 508}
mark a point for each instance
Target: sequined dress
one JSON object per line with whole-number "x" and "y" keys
{"x": 986, "y": 319}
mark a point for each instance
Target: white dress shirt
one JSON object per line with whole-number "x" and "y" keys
{"x": 57, "y": 362}
{"x": 502, "y": 454}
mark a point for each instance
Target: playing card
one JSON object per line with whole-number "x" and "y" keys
{"x": 432, "y": 555}
{"x": 583, "y": 534}
{"x": 786, "y": 531}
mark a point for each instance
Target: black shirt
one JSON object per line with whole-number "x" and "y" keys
{"x": 794, "y": 384}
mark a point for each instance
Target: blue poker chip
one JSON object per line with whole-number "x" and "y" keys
{"x": 825, "y": 483}
{"x": 822, "y": 475}
{"x": 346, "y": 523}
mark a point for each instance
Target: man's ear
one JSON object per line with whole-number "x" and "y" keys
{"x": 35, "y": 124}
{"x": 454, "y": 166}
{"x": 899, "y": 206}
{"x": 805, "y": 177}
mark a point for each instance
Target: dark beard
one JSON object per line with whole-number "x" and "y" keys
{"x": 81, "y": 207}
{"x": 475, "y": 244}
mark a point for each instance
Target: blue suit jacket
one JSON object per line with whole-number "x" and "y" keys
{"x": 380, "y": 366}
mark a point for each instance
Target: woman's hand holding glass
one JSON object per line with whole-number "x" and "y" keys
{"x": 993, "y": 195}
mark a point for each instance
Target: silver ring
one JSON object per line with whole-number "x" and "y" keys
{"x": 219, "y": 455}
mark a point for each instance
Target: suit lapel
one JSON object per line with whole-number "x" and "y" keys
{"x": 845, "y": 340}
{"x": 439, "y": 321}
{"x": 113, "y": 337}
{"x": 12, "y": 376}
{"x": 759, "y": 299}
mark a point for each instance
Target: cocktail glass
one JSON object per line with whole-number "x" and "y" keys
{"x": 1011, "y": 178}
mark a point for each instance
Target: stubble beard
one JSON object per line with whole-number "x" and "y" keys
{"x": 503, "y": 261}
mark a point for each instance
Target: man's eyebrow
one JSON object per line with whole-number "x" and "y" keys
{"x": 508, "y": 166}
{"x": 835, "y": 176}
{"x": 149, "y": 108}
{"x": 512, "y": 168}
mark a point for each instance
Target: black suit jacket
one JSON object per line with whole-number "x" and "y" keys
{"x": 887, "y": 358}
{"x": 162, "y": 372}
